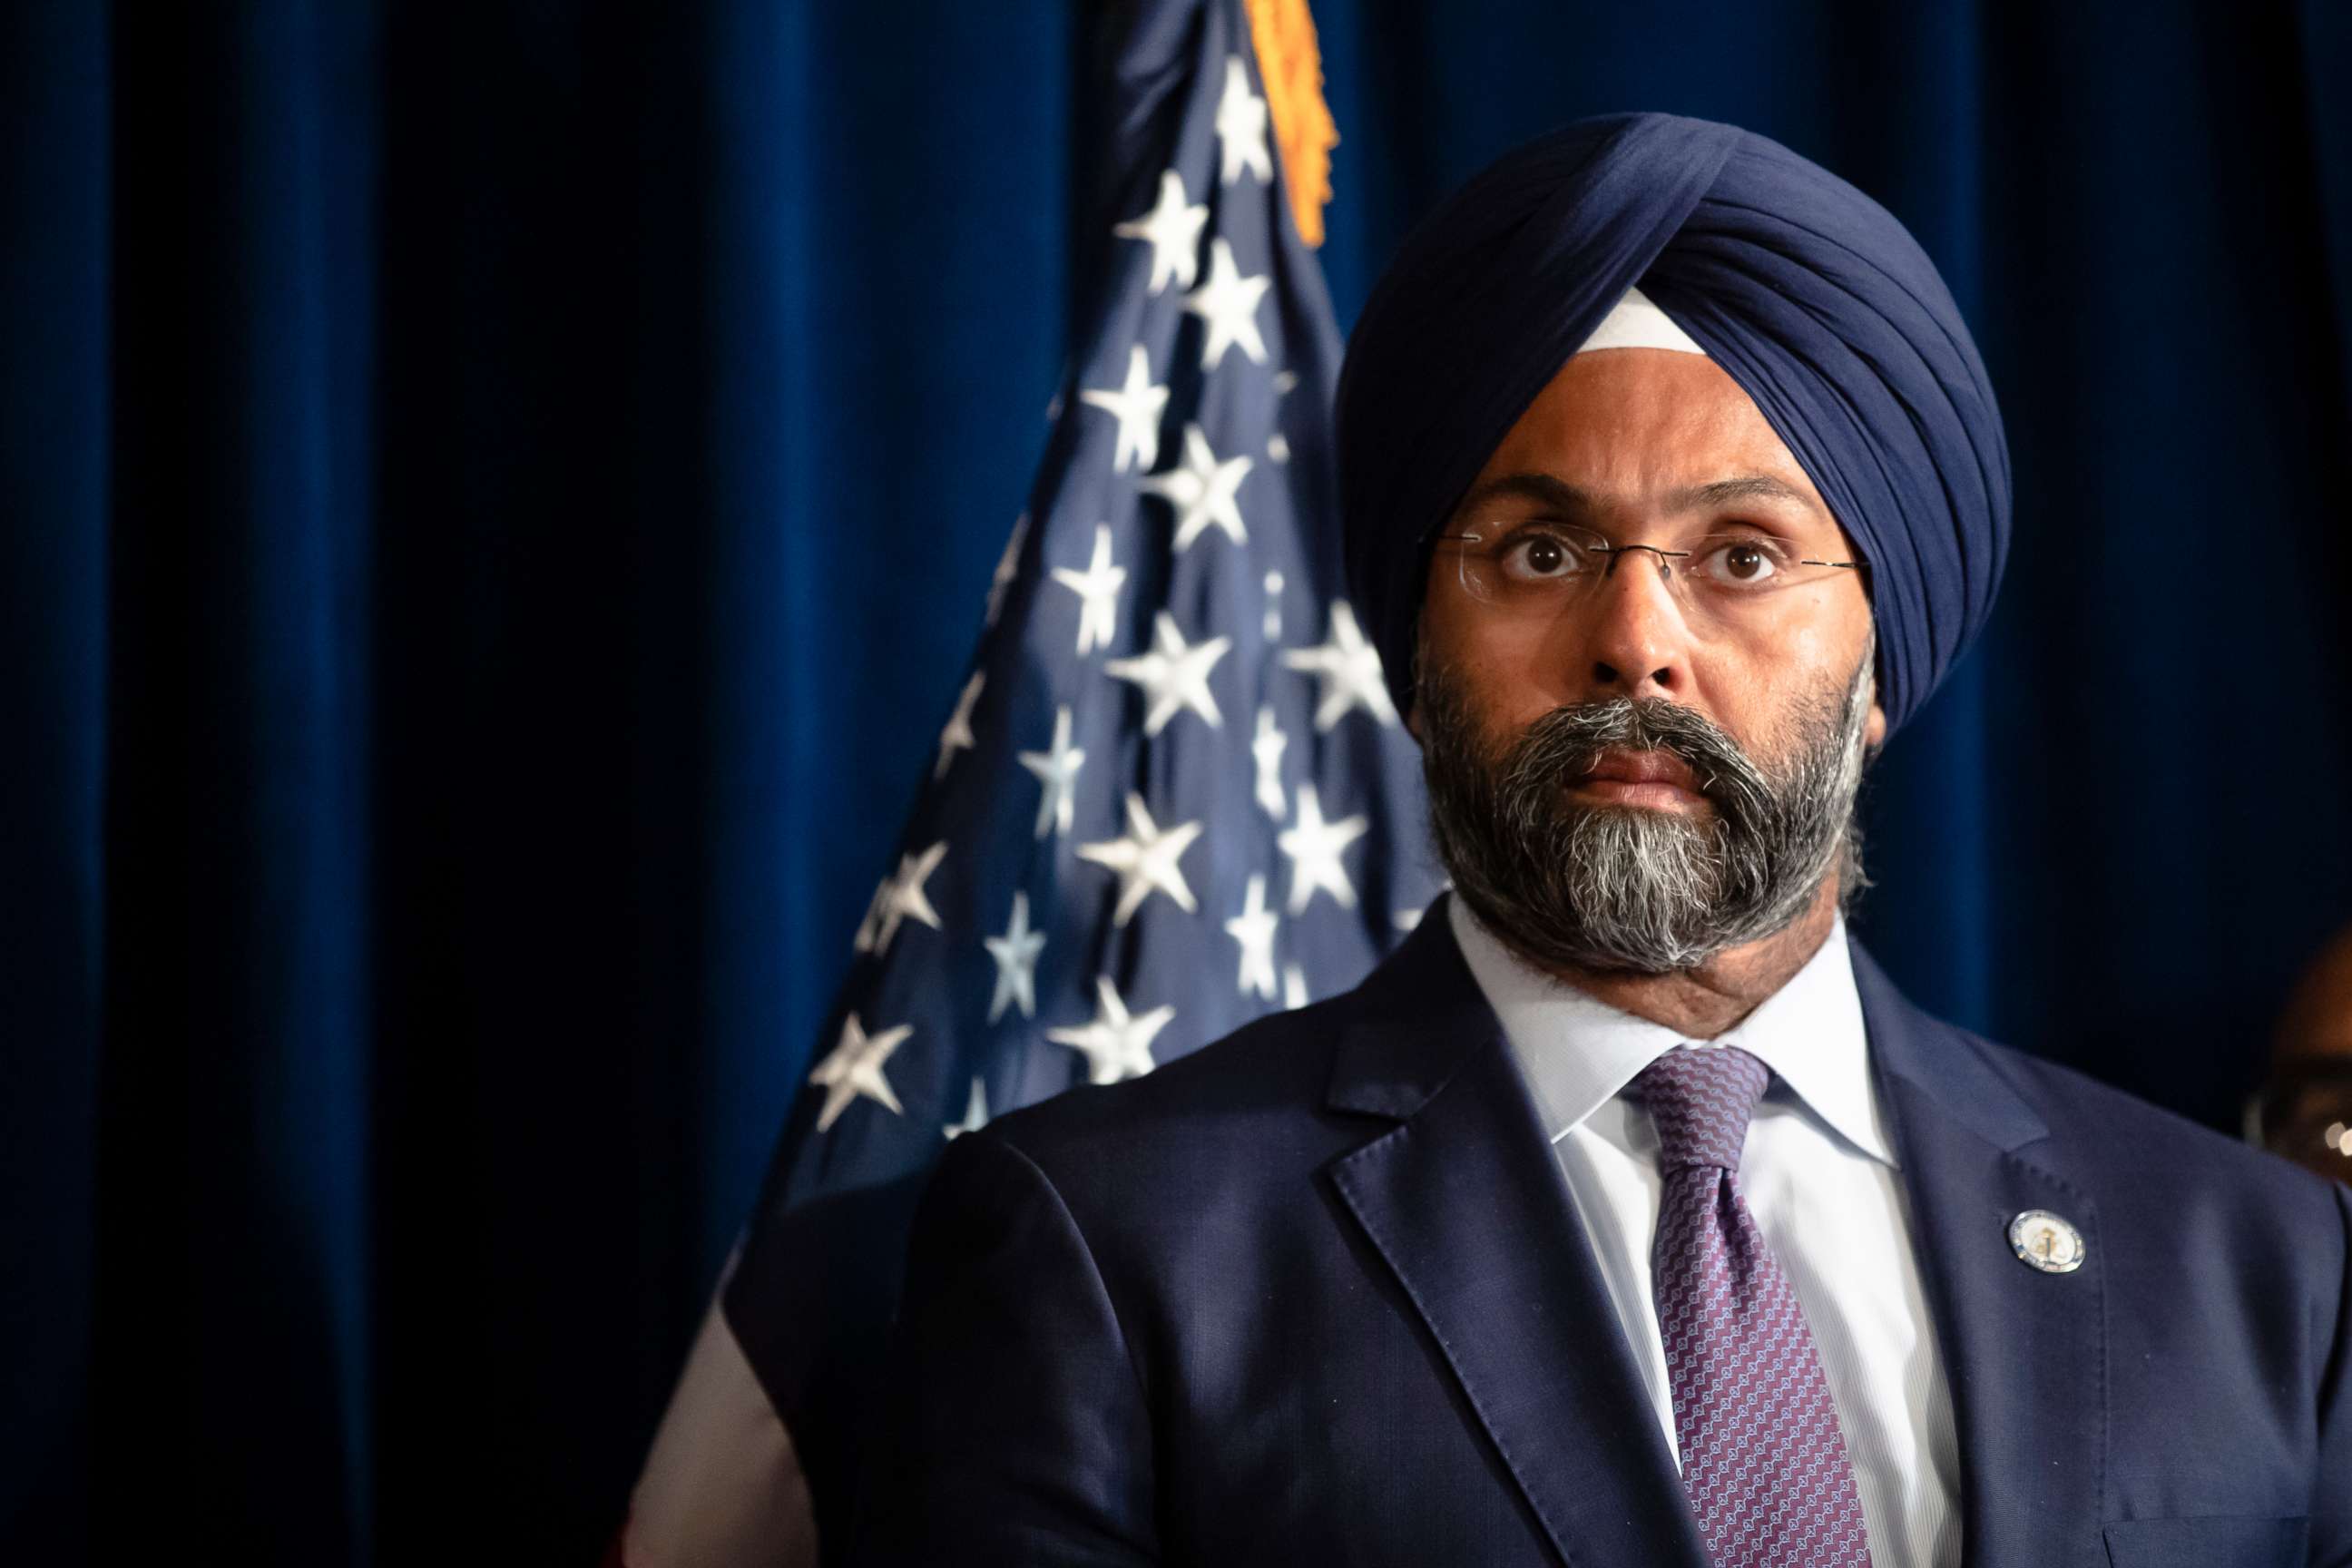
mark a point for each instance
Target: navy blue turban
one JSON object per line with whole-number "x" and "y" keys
{"x": 1807, "y": 293}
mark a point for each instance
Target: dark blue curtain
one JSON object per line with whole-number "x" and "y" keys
{"x": 495, "y": 502}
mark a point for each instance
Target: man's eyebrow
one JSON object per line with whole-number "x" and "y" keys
{"x": 1742, "y": 487}
{"x": 1544, "y": 488}
{"x": 1572, "y": 501}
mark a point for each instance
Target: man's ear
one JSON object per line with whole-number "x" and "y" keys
{"x": 1874, "y": 729}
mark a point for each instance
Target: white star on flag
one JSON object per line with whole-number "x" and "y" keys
{"x": 901, "y": 897}
{"x": 867, "y": 922}
{"x": 1266, "y": 748}
{"x": 1115, "y": 1045}
{"x": 1007, "y": 566}
{"x": 975, "y": 1115}
{"x": 1137, "y": 407}
{"x": 1058, "y": 770}
{"x": 1227, "y": 306}
{"x": 1097, "y": 590}
{"x": 1173, "y": 675}
{"x": 1314, "y": 846}
{"x": 1146, "y": 860}
{"x": 1016, "y": 963}
{"x": 1349, "y": 669}
{"x": 1240, "y": 128}
{"x": 956, "y": 736}
{"x": 1293, "y": 987}
{"x": 1254, "y": 929}
{"x": 854, "y": 1069}
{"x": 1173, "y": 230}
{"x": 1203, "y": 490}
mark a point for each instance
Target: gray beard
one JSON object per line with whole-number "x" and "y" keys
{"x": 1622, "y": 888}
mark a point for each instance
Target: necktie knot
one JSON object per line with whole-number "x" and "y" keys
{"x": 1701, "y": 1098}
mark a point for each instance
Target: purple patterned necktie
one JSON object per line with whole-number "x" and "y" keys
{"x": 1763, "y": 1461}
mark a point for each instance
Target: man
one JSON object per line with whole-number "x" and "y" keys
{"x": 1628, "y": 1215}
{"x": 2304, "y": 1109}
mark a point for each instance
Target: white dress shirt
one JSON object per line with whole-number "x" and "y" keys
{"x": 1818, "y": 1175}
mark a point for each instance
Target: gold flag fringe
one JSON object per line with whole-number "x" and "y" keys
{"x": 1292, "y": 68}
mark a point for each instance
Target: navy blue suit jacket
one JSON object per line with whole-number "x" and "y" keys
{"x": 1316, "y": 1294}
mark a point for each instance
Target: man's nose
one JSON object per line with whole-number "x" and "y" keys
{"x": 1636, "y": 639}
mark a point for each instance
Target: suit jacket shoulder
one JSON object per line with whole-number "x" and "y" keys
{"x": 1199, "y": 1177}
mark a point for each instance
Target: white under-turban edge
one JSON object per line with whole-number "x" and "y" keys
{"x": 1635, "y": 324}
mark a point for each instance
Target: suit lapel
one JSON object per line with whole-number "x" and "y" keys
{"x": 2024, "y": 1353}
{"x": 1463, "y": 1202}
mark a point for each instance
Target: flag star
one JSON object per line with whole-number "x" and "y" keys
{"x": 1097, "y": 590}
{"x": 956, "y": 736}
{"x": 975, "y": 1115}
{"x": 1203, "y": 490}
{"x": 1007, "y": 566}
{"x": 1227, "y": 305}
{"x": 1173, "y": 230}
{"x": 1349, "y": 669}
{"x": 1314, "y": 846}
{"x": 1016, "y": 963}
{"x": 1267, "y": 747}
{"x": 1116, "y": 1044}
{"x": 1174, "y": 675}
{"x": 1146, "y": 860}
{"x": 1240, "y": 128}
{"x": 1057, "y": 769}
{"x": 1407, "y": 919}
{"x": 1270, "y": 624}
{"x": 1293, "y": 986}
{"x": 1254, "y": 929}
{"x": 871, "y": 920}
{"x": 1277, "y": 446}
{"x": 902, "y": 897}
{"x": 854, "y": 1069}
{"x": 1137, "y": 407}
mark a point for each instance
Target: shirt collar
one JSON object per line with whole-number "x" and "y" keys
{"x": 1578, "y": 1052}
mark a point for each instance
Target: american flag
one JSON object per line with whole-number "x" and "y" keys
{"x": 1171, "y": 794}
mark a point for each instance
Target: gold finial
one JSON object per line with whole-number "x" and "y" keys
{"x": 1292, "y": 69}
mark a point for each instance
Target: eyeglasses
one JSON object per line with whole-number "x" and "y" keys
{"x": 1539, "y": 567}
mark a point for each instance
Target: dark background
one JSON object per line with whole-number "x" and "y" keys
{"x": 495, "y": 500}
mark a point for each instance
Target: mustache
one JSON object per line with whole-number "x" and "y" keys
{"x": 1566, "y": 743}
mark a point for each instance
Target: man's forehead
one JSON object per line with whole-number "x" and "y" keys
{"x": 1649, "y": 427}
{"x": 1647, "y": 394}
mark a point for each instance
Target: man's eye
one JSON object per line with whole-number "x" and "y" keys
{"x": 1741, "y": 562}
{"x": 1541, "y": 555}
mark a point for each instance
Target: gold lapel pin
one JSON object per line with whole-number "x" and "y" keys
{"x": 2046, "y": 1241}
